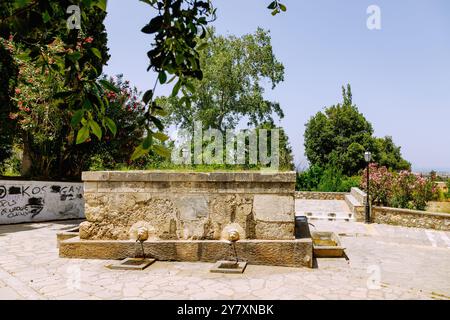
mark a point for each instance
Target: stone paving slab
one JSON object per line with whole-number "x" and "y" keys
{"x": 385, "y": 262}
{"x": 326, "y": 206}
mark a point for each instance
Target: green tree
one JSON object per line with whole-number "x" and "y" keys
{"x": 340, "y": 135}
{"x": 231, "y": 88}
{"x": 8, "y": 79}
{"x": 126, "y": 109}
{"x": 43, "y": 129}
{"x": 389, "y": 155}
{"x": 64, "y": 80}
{"x": 286, "y": 159}
{"x": 309, "y": 180}
{"x": 233, "y": 71}
{"x": 329, "y": 179}
{"x": 175, "y": 51}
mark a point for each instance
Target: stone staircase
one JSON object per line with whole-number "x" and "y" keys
{"x": 356, "y": 201}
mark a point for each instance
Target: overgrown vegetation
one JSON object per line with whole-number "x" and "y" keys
{"x": 48, "y": 145}
{"x": 231, "y": 89}
{"x": 177, "y": 30}
{"x": 329, "y": 179}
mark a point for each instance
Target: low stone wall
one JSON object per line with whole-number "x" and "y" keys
{"x": 411, "y": 218}
{"x": 313, "y": 195}
{"x": 32, "y": 201}
{"x": 288, "y": 253}
{"x": 188, "y": 205}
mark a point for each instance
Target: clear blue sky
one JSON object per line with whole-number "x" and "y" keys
{"x": 400, "y": 75}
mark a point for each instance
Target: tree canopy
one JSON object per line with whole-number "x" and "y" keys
{"x": 234, "y": 70}
{"x": 175, "y": 29}
{"x": 340, "y": 135}
{"x": 231, "y": 88}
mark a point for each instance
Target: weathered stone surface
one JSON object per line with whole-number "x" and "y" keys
{"x": 188, "y": 205}
{"x": 114, "y": 218}
{"x": 167, "y": 175}
{"x": 272, "y": 208}
{"x": 85, "y": 229}
{"x": 294, "y": 253}
{"x": 226, "y": 209}
{"x": 359, "y": 195}
{"x": 274, "y": 230}
{"x": 192, "y": 207}
{"x": 148, "y": 229}
{"x": 411, "y": 218}
{"x": 67, "y": 234}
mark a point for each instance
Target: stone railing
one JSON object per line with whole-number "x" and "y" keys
{"x": 188, "y": 205}
{"x": 313, "y": 195}
{"x": 411, "y": 218}
{"x": 359, "y": 195}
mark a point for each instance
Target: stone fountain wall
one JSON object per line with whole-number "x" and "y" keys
{"x": 188, "y": 205}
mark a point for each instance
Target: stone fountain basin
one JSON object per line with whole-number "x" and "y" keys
{"x": 326, "y": 244}
{"x": 67, "y": 234}
{"x": 289, "y": 253}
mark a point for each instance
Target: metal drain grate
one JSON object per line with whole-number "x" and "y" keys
{"x": 131, "y": 264}
{"x": 228, "y": 267}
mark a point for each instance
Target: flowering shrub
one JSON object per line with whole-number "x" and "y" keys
{"x": 35, "y": 114}
{"x": 412, "y": 191}
{"x": 402, "y": 189}
{"x": 381, "y": 184}
{"x": 127, "y": 110}
{"x": 35, "y": 111}
{"x": 44, "y": 132}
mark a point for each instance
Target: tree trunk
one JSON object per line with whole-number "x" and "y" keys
{"x": 25, "y": 170}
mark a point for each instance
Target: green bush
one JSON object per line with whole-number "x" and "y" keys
{"x": 330, "y": 179}
{"x": 350, "y": 182}
{"x": 11, "y": 166}
{"x": 440, "y": 195}
{"x": 309, "y": 180}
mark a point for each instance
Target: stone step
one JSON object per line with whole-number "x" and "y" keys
{"x": 359, "y": 195}
{"x": 352, "y": 202}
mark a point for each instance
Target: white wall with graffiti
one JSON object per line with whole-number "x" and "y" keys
{"x": 30, "y": 201}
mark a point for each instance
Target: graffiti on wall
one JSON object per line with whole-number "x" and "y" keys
{"x": 33, "y": 200}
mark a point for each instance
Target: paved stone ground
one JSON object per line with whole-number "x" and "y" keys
{"x": 302, "y": 206}
{"x": 332, "y": 210}
{"x": 410, "y": 263}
